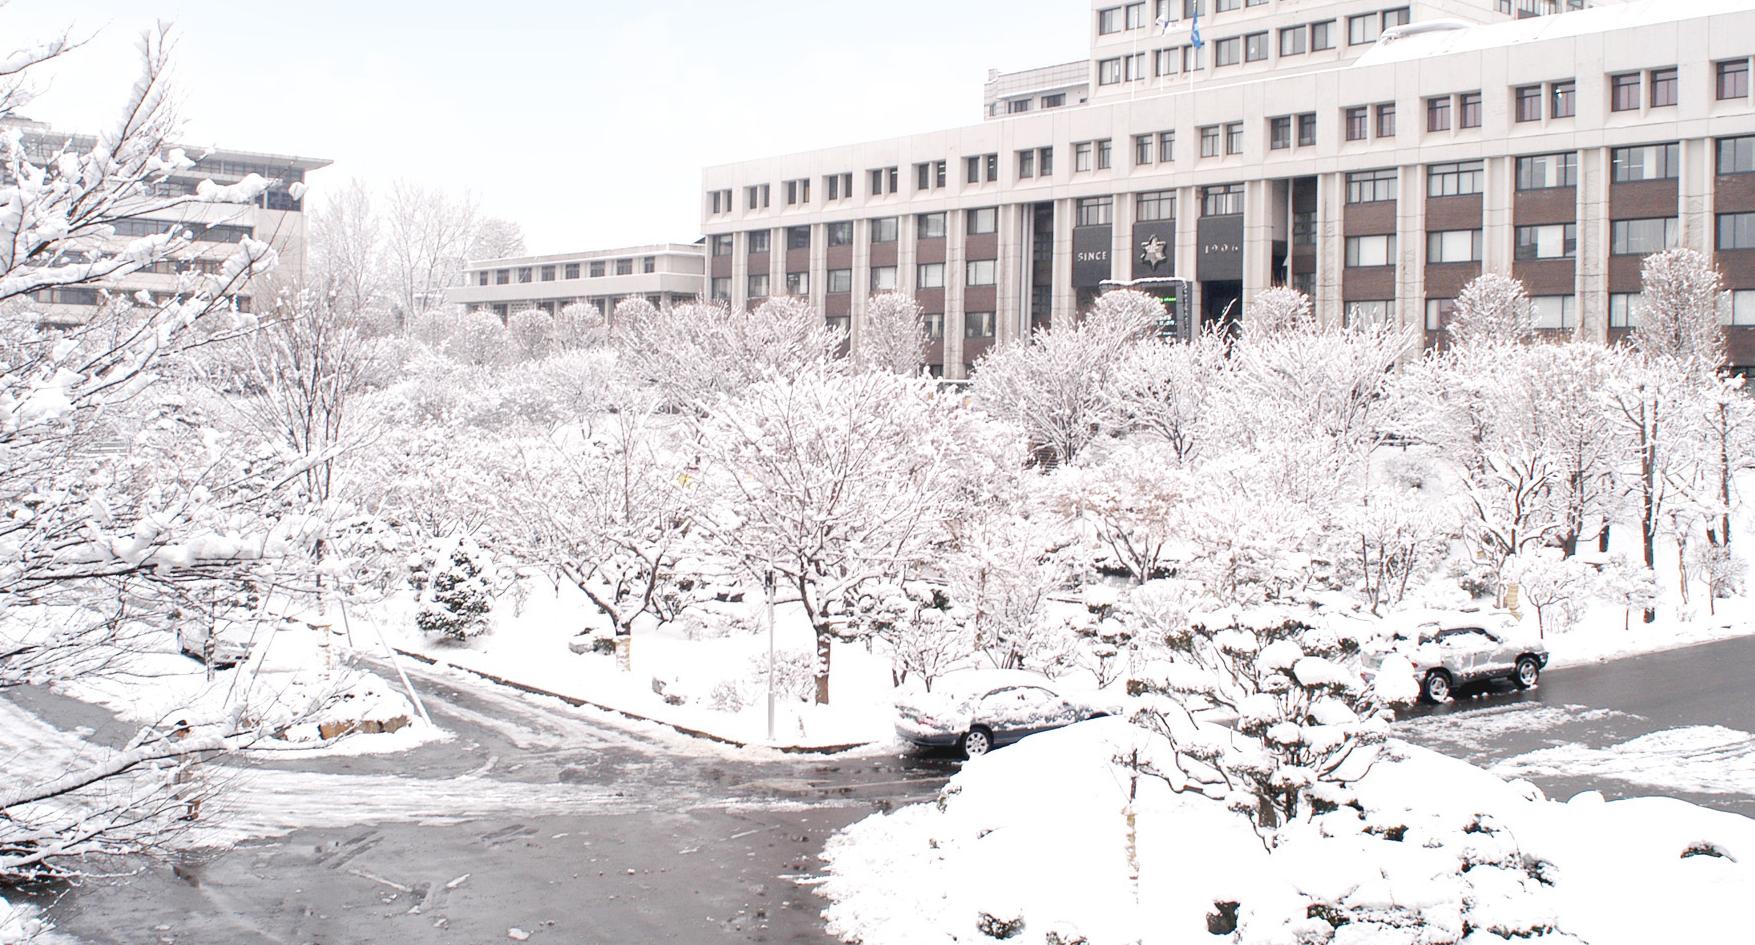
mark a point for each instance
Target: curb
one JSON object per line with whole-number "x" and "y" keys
{"x": 587, "y": 703}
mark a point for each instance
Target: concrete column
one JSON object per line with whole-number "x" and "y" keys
{"x": 1498, "y": 236}
{"x": 956, "y": 229}
{"x": 1410, "y": 247}
{"x": 1065, "y": 304}
{"x": 1331, "y": 197}
{"x": 1121, "y": 248}
{"x": 777, "y": 262}
{"x": 1187, "y": 249}
{"x": 1258, "y": 239}
{"x": 1011, "y": 315}
{"x": 1591, "y": 265}
{"x": 819, "y": 266}
{"x": 861, "y": 275}
{"x": 907, "y": 231}
{"x": 740, "y": 270}
{"x": 1694, "y": 188}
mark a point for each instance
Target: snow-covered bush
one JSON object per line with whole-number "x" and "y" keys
{"x": 1681, "y": 296}
{"x": 695, "y": 352}
{"x": 1278, "y": 309}
{"x": 454, "y": 582}
{"x": 892, "y": 335}
{"x": 1392, "y": 544}
{"x": 1127, "y": 506}
{"x": 580, "y": 325}
{"x": 478, "y": 339}
{"x": 1555, "y": 585}
{"x": 1166, "y": 389}
{"x": 1493, "y": 310}
{"x": 532, "y": 332}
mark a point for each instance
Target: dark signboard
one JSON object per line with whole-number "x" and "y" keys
{"x": 1092, "y": 246}
{"x": 1154, "y": 249}
{"x": 1219, "y": 253}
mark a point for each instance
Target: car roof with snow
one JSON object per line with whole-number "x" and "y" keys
{"x": 969, "y": 682}
{"x": 1413, "y": 623}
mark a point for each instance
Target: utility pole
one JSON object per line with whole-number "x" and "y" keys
{"x": 768, "y": 593}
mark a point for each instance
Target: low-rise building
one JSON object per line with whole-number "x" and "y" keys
{"x": 663, "y": 274}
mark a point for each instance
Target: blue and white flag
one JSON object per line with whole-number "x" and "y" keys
{"x": 1194, "y": 35}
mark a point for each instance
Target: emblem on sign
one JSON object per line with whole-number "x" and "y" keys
{"x": 1152, "y": 252}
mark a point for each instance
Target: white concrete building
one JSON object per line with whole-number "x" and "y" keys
{"x": 1376, "y": 153}
{"x": 663, "y": 274}
{"x": 277, "y": 217}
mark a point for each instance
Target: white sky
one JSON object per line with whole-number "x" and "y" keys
{"x": 585, "y": 122}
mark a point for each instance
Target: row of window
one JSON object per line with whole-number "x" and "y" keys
{"x": 1636, "y": 237}
{"x": 597, "y": 269}
{"x": 1019, "y": 106}
{"x": 199, "y": 232}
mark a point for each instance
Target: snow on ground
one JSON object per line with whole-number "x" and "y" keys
{"x": 1699, "y": 759}
{"x": 721, "y": 679}
{"x": 1038, "y": 832}
{"x": 21, "y": 923}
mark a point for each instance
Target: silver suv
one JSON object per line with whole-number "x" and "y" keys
{"x": 1447, "y": 655}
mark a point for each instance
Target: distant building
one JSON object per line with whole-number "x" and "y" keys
{"x": 663, "y": 274}
{"x": 277, "y": 218}
{"x": 1034, "y": 90}
{"x": 1374, "y": 153}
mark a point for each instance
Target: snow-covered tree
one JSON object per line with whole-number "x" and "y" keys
{"x": 478, "y": 338}
{"x": 1166, "y": 389}
{"x": 454, "y": 580}
{"x": 830, "y": 481}
{"x": 1555, "y": 585}
{"x": 1388, "y": 544}
{"x": 532, "y": 332}
{"x": 1126, "y": 507}
{"x": 1057, "y": 387}
{"x": 496, "y": 238}
{"x": 1646, "y": 406}
{"x": 580, "y": 325}
{"x": 346, "y": 249}
{"x": 1493, "y": 310}
{"x": 1681, "y": 295}
{"x": 693, "y": 353}
{"x": 892, "y": 335}
{"x": 1277, "y": 309}
{"x": 428, "y": 235}
{"x": 1000, "y": 575}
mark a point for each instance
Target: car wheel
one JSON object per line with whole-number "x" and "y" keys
{"x": 1436, "y": 688}
{"x": 1527, "y": 672}
{"x": 978, "y": 741}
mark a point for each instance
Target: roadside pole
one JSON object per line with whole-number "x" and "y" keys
{"x": 768, "y": 592}
{"x": 395, "y": 661}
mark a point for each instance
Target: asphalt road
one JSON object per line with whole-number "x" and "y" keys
{"x": 584, "y": 828}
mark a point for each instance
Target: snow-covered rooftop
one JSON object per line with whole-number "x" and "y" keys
{"x": 1422, "y": 45}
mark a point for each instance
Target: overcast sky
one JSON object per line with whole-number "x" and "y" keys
{"x": 587, "y": 123}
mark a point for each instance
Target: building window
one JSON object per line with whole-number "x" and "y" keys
{"x": 840, "y": 281}
{"x": 1017, "y": 106}
{"x": 649, "y": 264}
{"x": 1736, "y": 231}
{"x": 1624, "y": 92}
{"x": 1280, "y": 133}
{"x": 1641, "y": 237}
{"x": 1255, "y": 47}
{"x": 1438, "y": 313}
{"x": 982, "y": 220}
{"x": 1386, "y": 120}
{"x": 1623, "y": 310}
{"x": 1454, "y": 180}
{"x": 1663, "y": 88}
{"x": 524, "y": 274}
{"x": 1371, "y": 186}
{"x": 1054, "y": 101}
{"x": 1438, "y": 113}
{"x": 797, "y": 237}
{"x": 1322, "y": 36}
{"x": 1292, "y": 40}
{"x": 1562, "y": 99}
{"x": 548, "y": 274}
{"x": 883, "y": 278}
{"x": 1154, "y": 206}
{"x": 1368, "y": 251}
{"x": 1356, "y": 120}
{"x": 1105, "y": 155}
{"x": 756, "y": 197}
{"x": 1209, "y": 141}
{"x": 597, "y": 268}
{"x": 1365, "y": 314}
{"x": 931, "y": 226}
{"x": 719, "y": 289}
{"x": 1544, "y": 171}
{"x": 571, "y": 270}
{"x": 1364, "y": 28}
{"x": 1555, "y": 312}
{"x": 972, "y": 169}
{"x": 625, "y": 267}
{"x": 934, "y": 323}
{"x": 1469, "y": 110}
{"x": 722, "y": 245}
{"x": 839, "y": 234}
{"x": 1081, "y": 156}
{"x": 929, "y": 276}
{"x": 1741, "y": 312}
{"x": 1307, "y": 130}
{"x": 1166, "y": 147}
{"x": 1228, "y": 52}
{"x": 1221, "y": 200}
{"x": 1453, "y": 246}
{"x": 1551, "y": 241}
{"x": 1109, "y": 21}
{"x": 1045, "y": 161}
{"x": 758, "y": 286}
{"x": 884, "y": 229}
{"x": 883, "y": 180}
{"x": 797, "y": 192}
{"x": 1109, "y": 72}
{"x": 798, "y": 283}
{"x": 1095, "y": 211}
{"x": 1733, "y": 79}
{"x": 1397, "y": 17}
{"x": 979, "y": 272}
{"x": 1142, "y": 150}
{"x": 1736, "y": 155}
{"x": 977, "y": 325}
{"x": 1026, "y": 164}
{"x": 1234, "y": 138}
{"x": 1645, "y": 162}
{"x": 483, "y": 277}
{"x": 1529, "y": 103}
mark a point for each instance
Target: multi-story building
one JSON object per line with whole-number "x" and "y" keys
{"x": 276, "y": 217}
{"x": 1375, "y": 153}
{"x": 663, "y": 274}
{"x": 1039, "y": 89}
